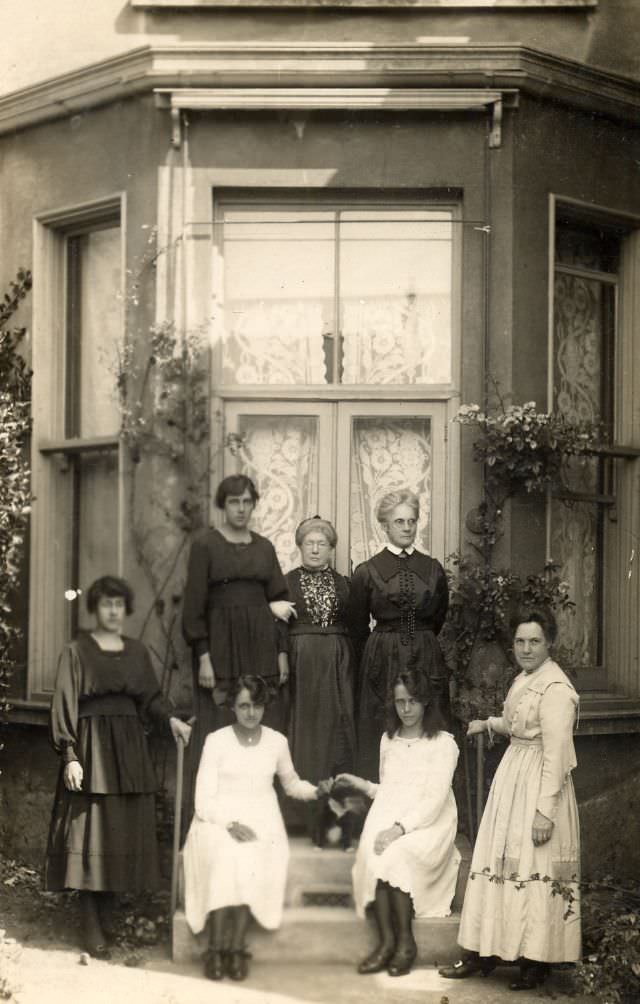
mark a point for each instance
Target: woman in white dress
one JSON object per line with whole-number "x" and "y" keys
{"x": 236, "y": 851}
{"x": 407, "y": 861}
{"x": 529, "y": 832}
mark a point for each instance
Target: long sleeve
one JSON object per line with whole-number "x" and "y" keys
{"x": 194, "y": 614}
{"x": 441, "y": 601}
{"x": 358, "y": 610}
{"x": 499, "y": 725}
{"x": 293, "y": 785}
{"x": 63, "y": 718}
{"x": 431, "y": 798}
{"x": 276, "y": 585}
{"x": 557, "y": 716}
{"x": 150, "y": 700}
{"x": 206, "y": 803}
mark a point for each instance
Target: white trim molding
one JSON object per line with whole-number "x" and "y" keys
{"x": 328, "y": 65}
{"x": 430, "y": 4}
{"x": 310, "y": 98}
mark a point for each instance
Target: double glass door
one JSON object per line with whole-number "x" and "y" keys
{"x": 338, "y": 459}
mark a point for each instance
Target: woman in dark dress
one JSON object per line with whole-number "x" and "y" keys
{"x": 406, "y": 593}
{"x": 321, "y": 662}
{"x": 234, "y": 592}
{"x": 103, "y": 828}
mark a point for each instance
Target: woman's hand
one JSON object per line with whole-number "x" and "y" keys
{"x": 356, "y": 782}
{"x": 283, "y": 610}
{"x": 541, "y": 830}
{"x": 180, "y": 730}
{"x": 283, "y": 668}
{"x": 243, "y": 834}
{"x": 324, "y": 787}
{"x": 73, "y": 774}
{"x": 477, "y": 726}
{"x": 206, "y": 676}
{"x": 386, "y": 837}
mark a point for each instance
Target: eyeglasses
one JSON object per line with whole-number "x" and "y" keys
{"x": 405, "y": 522}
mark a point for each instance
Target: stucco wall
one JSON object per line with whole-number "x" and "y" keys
{"x": 50, "y": 39}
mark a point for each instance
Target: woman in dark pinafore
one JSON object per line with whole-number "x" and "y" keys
{"x": 406, "y": 593}
{"x": 102, "y": 838}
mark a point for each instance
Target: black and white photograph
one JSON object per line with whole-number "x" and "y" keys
{"x": 320, "y": 501}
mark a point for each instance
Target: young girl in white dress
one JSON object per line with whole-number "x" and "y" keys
{"x": 236, "y": 852}
{"x": 407, "y": 861}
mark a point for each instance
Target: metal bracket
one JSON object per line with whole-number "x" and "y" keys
{"x": 495, "y": 136}
{"x": 176, "y": 128}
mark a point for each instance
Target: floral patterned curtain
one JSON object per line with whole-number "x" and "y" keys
{"x": 280, "y": 454}
{"x": 387, "y": 454}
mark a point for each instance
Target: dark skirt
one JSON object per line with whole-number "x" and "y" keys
{"x": 322, "y": 729}
{"x": 383, "y": 658}
{"x": 103, "y": 843}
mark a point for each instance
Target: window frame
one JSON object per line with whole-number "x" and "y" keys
{"x": 619, "y": 461}
{"x": 291, "y": 199}
{"x": 56, "y": 454}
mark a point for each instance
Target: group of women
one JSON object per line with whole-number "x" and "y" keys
{"x": 297, "y": 656}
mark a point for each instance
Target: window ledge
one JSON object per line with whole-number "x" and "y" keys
{"x": 437, "y": 4}
{"x": 28, "y": 713}
{"x": 608, "y": 714}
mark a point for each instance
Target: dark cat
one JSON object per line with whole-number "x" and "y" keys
{"x": 340, "y": 817}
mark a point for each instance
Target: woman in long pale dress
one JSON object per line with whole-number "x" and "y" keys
{"x": 236, "y": 852}
{"x": 529, "y": 830}
{"x": 407, "y": 861}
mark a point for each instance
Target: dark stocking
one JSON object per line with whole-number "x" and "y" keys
{"x": 94, "y": 938}
{"x": 378, "y": 959}
{"x": 219, "y": 926}
{"x": 406, "y": 949}
{"x": 241, "y": 918}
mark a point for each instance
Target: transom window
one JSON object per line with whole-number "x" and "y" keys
{"x": 338, "y": 295}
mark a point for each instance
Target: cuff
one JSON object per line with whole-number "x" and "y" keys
{"x": 69, "y": 755}
{"x": 201, "y": 646}
{"x": 547, "y": 805}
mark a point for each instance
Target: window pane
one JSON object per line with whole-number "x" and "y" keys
{"x": 278, "y": 296}
{"x": 281, "y": 455}
{"x": 388, "y": 454}
{"x": 395, "y": 296}
{"x": 96, "y": 523}
{"x": 95, "y": 332}
{"x": 583, "y": 366}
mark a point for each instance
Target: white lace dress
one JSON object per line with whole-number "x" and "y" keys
{"x": 414, "y": 790}
{"x": 235, "y": 783}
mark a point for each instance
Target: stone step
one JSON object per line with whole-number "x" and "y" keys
{"x": 319, "y": 924}
{"x": 315, "y": 874}
{"x": 323, "y": 934}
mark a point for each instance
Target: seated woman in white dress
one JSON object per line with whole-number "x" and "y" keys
{"x": 407, "y": 861}
{"x": 236, "y": 851}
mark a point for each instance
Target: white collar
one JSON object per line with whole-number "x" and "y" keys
{"x": 399, "y": 550}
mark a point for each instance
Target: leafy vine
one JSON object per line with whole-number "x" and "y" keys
{"x": 15, "y": 475}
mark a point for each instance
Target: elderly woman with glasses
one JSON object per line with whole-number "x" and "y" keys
{"x": 322, "y": 663}
{"x": 406, "y": 594}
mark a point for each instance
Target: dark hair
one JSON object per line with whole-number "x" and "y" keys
{"x": 536, "y": 615}
{"x": 257, "y": 686}
{"x": 109, "y": 585}
{"x": 235, "y": 484}
{"x": 425, "y": 690}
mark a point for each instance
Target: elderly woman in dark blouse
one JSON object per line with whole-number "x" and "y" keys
{"x": 406, "y": 593}
{"x": 234, "y": 592}
{"x": 103, "y": 828}
{"x": 322, "y": 663}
